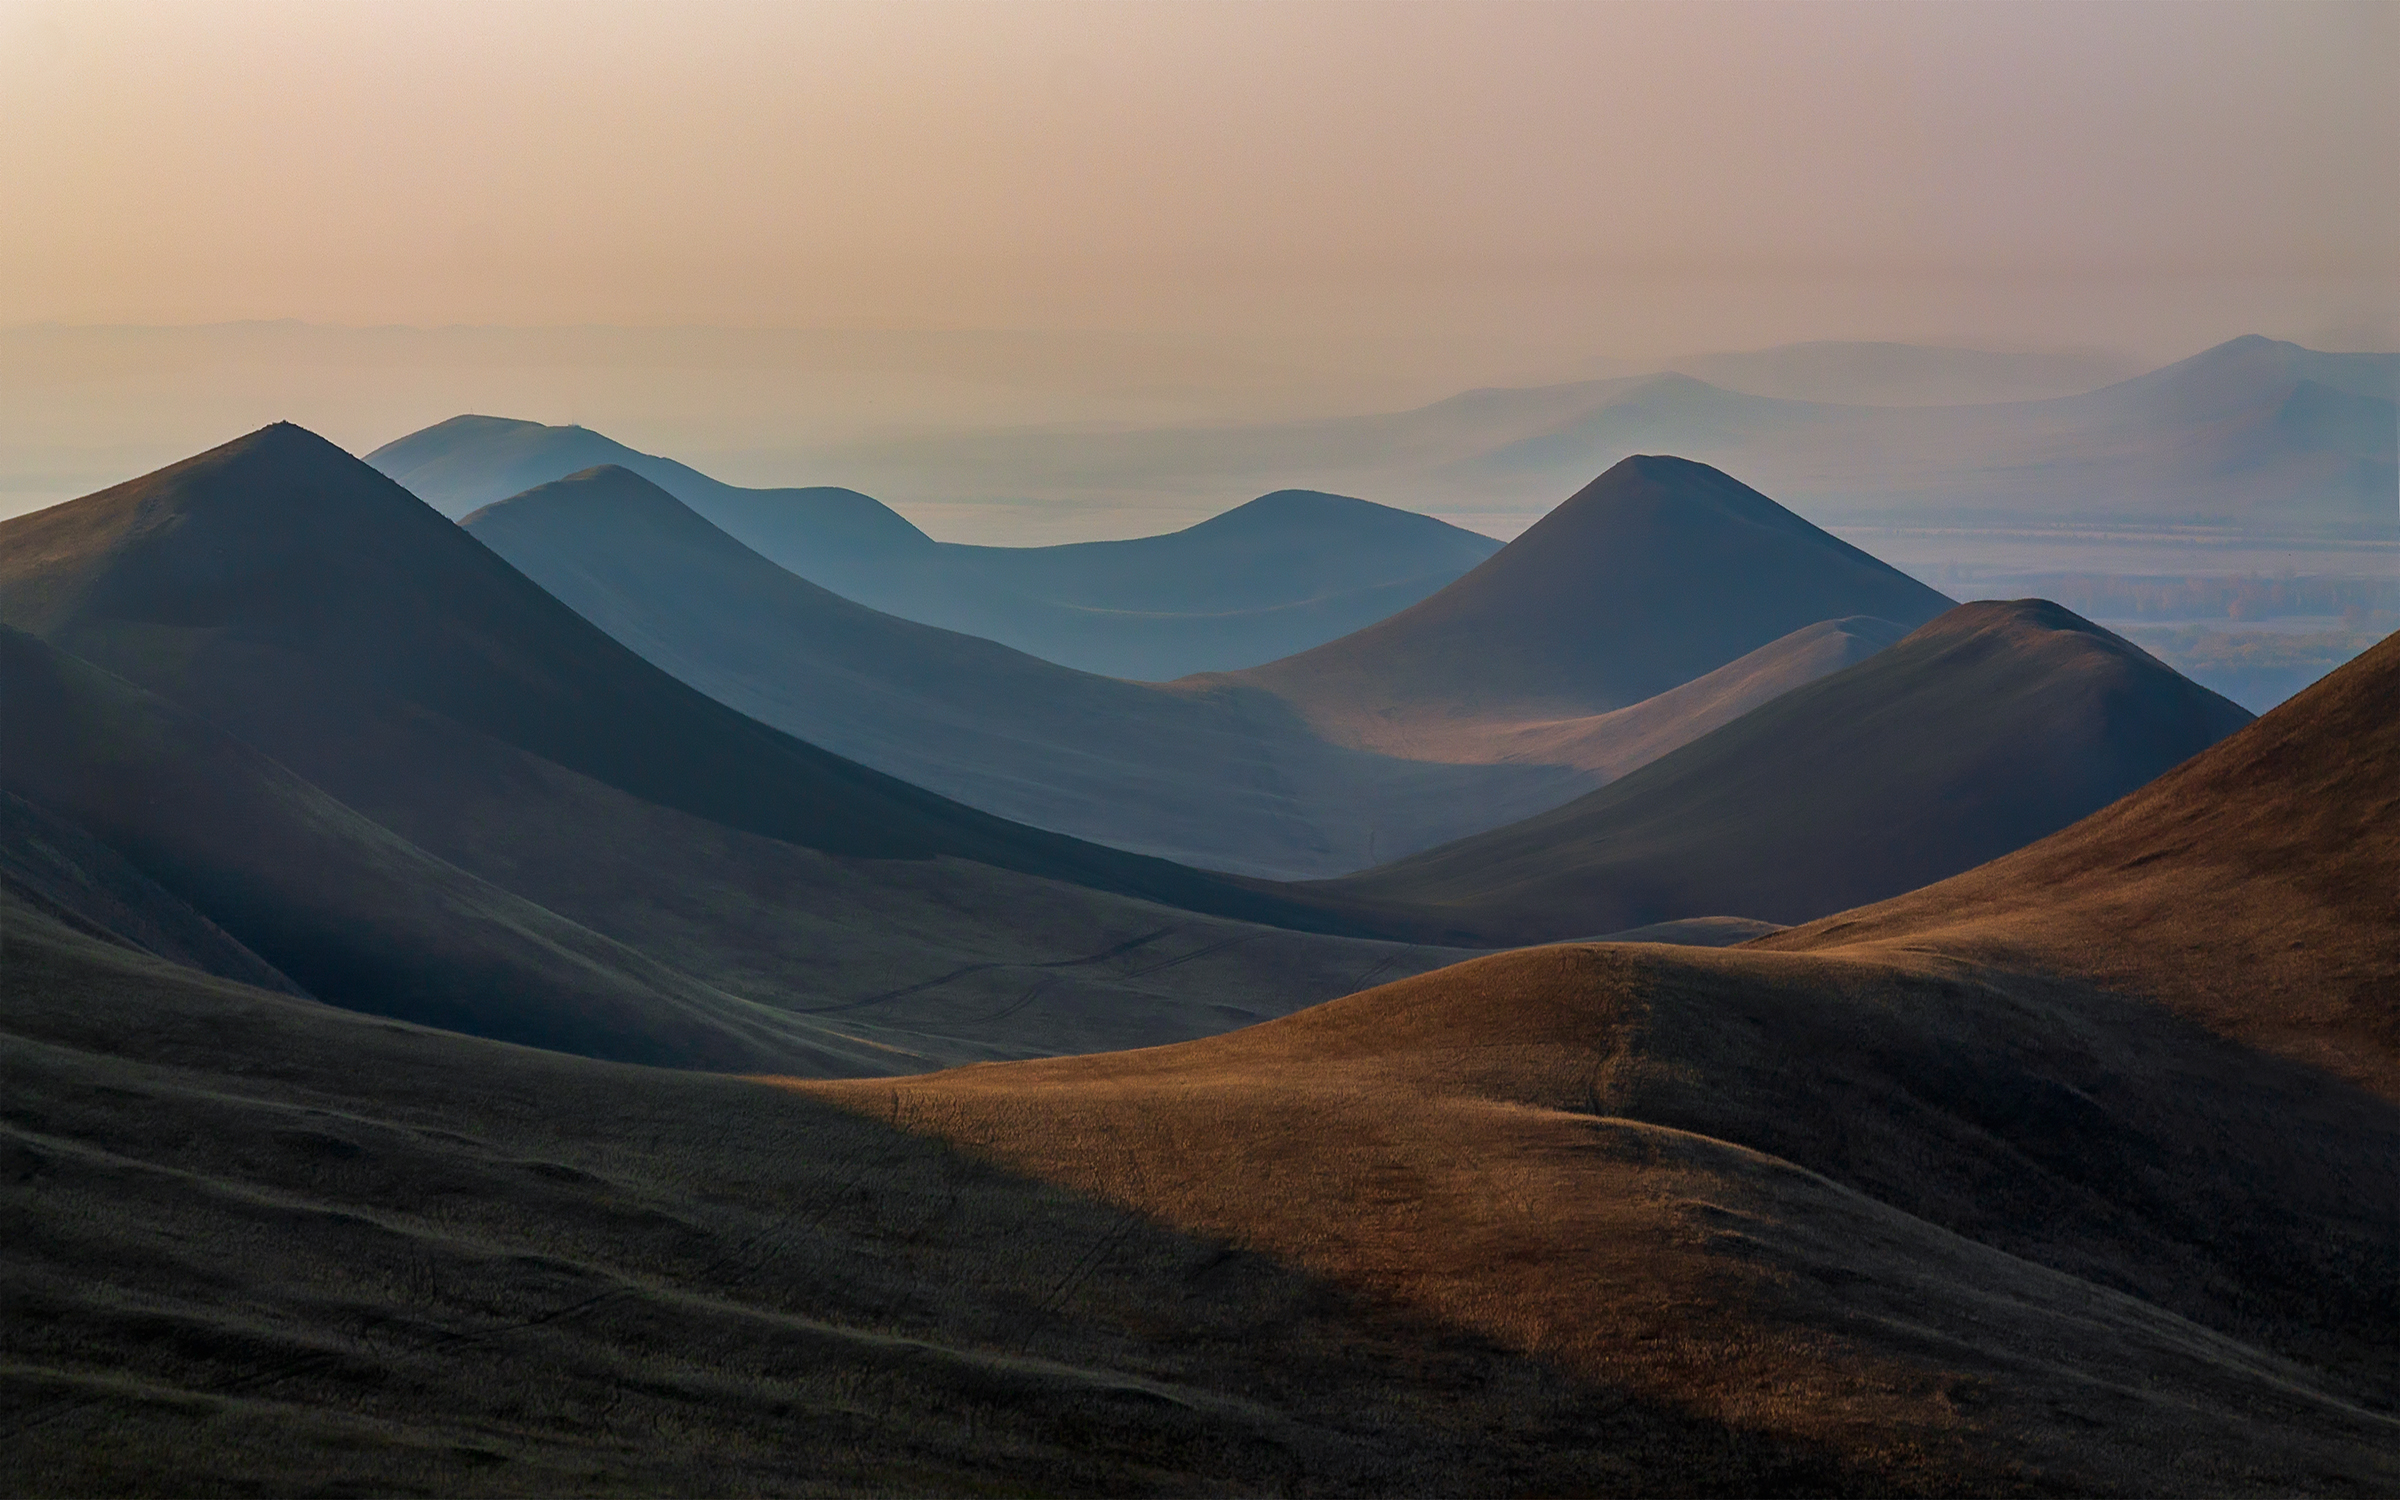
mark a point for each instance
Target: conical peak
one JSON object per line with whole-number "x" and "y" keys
{"x": 1656, "y": 487}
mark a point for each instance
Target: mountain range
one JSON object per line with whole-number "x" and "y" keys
{"x": 1660, "y": 602}
{"x": 1281, "y": 573}
{"x": 331, "y": 723}
{"x": 2255, "y": 435}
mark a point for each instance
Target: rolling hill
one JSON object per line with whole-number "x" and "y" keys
{"x": 1281, "y": 573}
{"x": 474, "y": 739}
{"x": 1924, "y": 1192}
{"x": 1990, "y": 727}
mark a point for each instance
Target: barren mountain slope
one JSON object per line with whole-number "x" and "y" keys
{"x": 1989, "y": 728}
{"x": 261, "y": 1243}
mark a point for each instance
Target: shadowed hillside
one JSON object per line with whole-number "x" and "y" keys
{"x": 1274, "y": 576}
{"x": 295, "y": 600}
{"x": 1980, "y": 732}
{"x": 291, "y": 592}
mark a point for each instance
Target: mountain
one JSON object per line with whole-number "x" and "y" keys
{"x": 1655, "y": 573}
{"x": 2017, "y": 1181}
{"x": 1891, "y": 1215}
{"x": 1279, "y": 574}
{"x": 1889, "y": 374}
{"x": 1228, "y": 780}
{"x": 316, "y": 613}
{"x": 469, "y": 462}
{"x": 2257, "y": 436}
{"x": 1988, "y": 728}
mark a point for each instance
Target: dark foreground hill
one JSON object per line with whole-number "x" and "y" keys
{"x": 1883, "y": 1217}
{"x": 1655, "y": 573}
{"x": 1996, "y": 724}
{"x": 1227, "y": 780}
{"x": 444, "y": 735}
{"x": 1277, "y": 575}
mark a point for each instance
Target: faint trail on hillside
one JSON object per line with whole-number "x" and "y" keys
{"x": 964, "y": 970}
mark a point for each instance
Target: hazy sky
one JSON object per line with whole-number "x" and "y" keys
{"x": 1545, "y": 179}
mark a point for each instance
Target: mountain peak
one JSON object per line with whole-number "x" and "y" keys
{"x": 1655, "y": 573}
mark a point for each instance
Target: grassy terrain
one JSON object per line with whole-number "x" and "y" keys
{"x": 255, "y": 1243}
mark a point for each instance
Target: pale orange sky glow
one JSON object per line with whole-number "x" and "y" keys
{"x": 1614, "y": 178}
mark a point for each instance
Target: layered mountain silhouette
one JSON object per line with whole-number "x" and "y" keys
{"x": 1281, "y": 573}
{"x": 2255, "y": 434}
{"x": 1226, "y": 773}
{"x": 517, "y": 808}
{"x": 1990, "y": 727}
{"x": 1228, "y": 780}
{"x": 2069, "y": 1173}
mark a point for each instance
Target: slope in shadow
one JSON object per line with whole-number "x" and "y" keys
{"x": 677, "y": 858}
{"x": 1987, "y": 729}
{"x": 274, "y": 1245}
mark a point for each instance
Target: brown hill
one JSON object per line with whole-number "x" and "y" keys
{"x": 1987, "y": 729}
{"x": 1656, "y": 573}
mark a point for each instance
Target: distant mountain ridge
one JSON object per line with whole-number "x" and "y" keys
{"x": 2226, "y": 438}
{"x": 1270, "y": 577}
